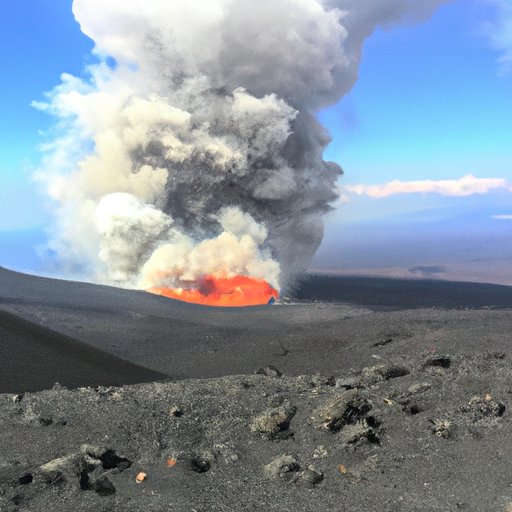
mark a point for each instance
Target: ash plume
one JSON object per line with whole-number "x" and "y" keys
{"x": 193, "y": 146}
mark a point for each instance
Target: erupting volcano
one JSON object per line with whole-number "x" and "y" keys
{"x": 191, "y": 148}
{"x": 227, "y": 291}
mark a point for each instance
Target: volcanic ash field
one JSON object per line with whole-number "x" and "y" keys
{"x": 426, "y": 433}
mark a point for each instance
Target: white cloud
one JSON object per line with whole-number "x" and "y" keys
{"x": 466, "y": 186}
{"x": 501, "y": 217}
{"x": 499, "y": 32}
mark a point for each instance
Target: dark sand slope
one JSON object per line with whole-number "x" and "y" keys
{"x": 403, "y": 293}
{"x": 188, "y": 341}
{"x": 34, "y": 358}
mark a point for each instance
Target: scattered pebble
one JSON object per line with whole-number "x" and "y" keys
{"x": 320, "y": 452}
{"x": 442, "y": 428}
{"x": 383, "y": 342}
{"x": 17, "y": 398}
{"x": 140, "y": 477}
{"x": 342, "y": 469}
{"x": 176, "y": 411}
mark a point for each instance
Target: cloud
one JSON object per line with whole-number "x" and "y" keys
{"x": 501, "y": 217}
{"x": 498, "y": 31}
{"x": 466, "y": 186}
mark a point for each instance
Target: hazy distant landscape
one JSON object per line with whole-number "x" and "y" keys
{"x": 437, "y": 244}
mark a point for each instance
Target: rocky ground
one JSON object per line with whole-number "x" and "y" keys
{"x": 410, "y": 410}
{"x": 424, "y": 432}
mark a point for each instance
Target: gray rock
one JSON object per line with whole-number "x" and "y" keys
{"x": 344, "y": 409}
{"x": 359, "y": 433}
{"x": 269, "y": 371}
{"x": 93, "y": 451}
{"x": 419, "y": 387}
{"x": 484, "y": 409}
{"x": 373, "y": 374}
{"x": 284, "y": 467}
{"x": 61, "y": 468}
{"x": 272, "y": 422}
{"x": 443, "y": 428}
{"x": 103, "y": 486}
{"x": 311, "y": 477}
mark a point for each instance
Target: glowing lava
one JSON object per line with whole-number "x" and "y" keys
{"x": 223, "y": 291}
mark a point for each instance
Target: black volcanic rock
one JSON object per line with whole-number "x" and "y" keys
{"x": 374, "y": 457}
{"x": 344, "y": 409}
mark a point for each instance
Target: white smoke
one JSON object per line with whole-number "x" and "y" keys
{"x": 199, "y": 151}
{"x": 237, "y": 248}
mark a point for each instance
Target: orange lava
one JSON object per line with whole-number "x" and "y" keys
{"x": 223, "y": 291}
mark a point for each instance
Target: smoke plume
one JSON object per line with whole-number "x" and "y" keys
{"x": 193, "y": 147}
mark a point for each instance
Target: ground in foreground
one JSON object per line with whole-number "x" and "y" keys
{"x": 425, "y": 433}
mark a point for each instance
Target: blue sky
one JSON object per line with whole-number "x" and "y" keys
{"x": 433, "y": 102}
{"x": 39, "y": 40}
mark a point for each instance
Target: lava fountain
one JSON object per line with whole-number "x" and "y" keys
{"x": 222, "y": 290}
